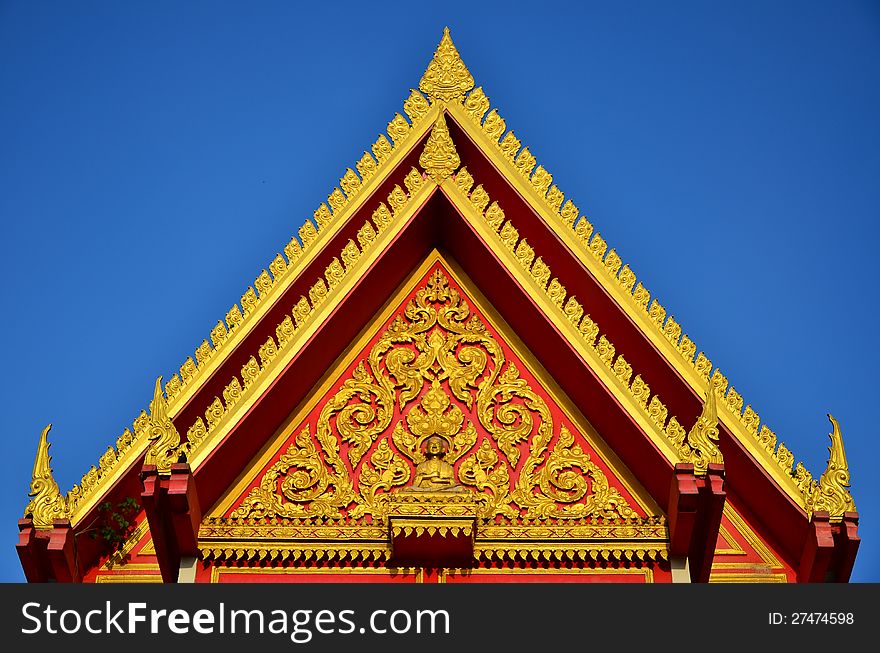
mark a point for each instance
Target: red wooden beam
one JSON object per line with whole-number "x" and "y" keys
{"x": 173, "y": 513}
{"x": 695, "y": 507}
{"x": 847, "y": 542}
{"x": 818, "y": 549}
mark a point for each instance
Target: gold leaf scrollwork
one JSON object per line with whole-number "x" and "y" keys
{"x": 509, "y": 422}
{"x": 484, "y": 470}
{"x": 300, "y": 485}
{"x": 359, "y": 423}
{"x": 541, "y": 493}
{"x": 384, "y": 471}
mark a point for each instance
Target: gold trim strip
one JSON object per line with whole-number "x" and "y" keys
{"x": 418, "y": 572}
{"x": 748, "y": 578}
{"x": 129, "y": 578}
{"x": 647, "y": 572}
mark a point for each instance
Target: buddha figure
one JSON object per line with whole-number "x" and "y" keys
{"x": 434, "y": 474}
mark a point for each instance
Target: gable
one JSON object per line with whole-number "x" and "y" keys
{"x": 625, "y": 387}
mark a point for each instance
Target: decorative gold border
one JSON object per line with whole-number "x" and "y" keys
{"x": 748, "y": 578}
{"x": 647, "y": 572}
{"x": 129, "y": 578}
{"x": 216, "y": 571}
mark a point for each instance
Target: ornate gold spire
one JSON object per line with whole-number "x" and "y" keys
{"x": 704, "y": 435}
{"x": 47, "y": 503}
{"x": 163, "y": 451}
{"x": 832, "y": 494}
{"x": 439, "y": 158}
{"x": 447, "y": 78}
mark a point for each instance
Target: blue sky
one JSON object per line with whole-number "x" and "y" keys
{"x": 155, "y": 156}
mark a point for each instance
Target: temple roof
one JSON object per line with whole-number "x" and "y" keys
{"x": 552, "y": 255}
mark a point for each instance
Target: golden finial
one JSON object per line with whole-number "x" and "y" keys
{"x": 46, "y": 504}
{"x": 833, "y": 494}
{"x": 439, "y": 158}
{"x": 163, "y": 451}
{"x": 447, "y": 78}
{"x": 704, "y": 435}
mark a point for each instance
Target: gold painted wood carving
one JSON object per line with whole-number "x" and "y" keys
{"x": 447, "y": 78}
{"x": 165, "y": 438}
{"x": 436, "y": 378}
{"x": 702, "y": 438}
{"x": 46, "y": 504}
{"x": 831, "y": 493}
{"x": 439, "y": 158}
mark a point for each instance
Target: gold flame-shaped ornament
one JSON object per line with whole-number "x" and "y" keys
{"x": 833, "y": 493}
{"x": 439, "y": 158}
{"x": 162, "y": 453}
{"x": 46, "y": 504}
{"x": 703, "y": 436}
{"x": 447, "y": 78}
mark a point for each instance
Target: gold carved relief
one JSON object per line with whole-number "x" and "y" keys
{"x": 447, "y": 78}
{"x": 399, "y": 400}
{"x": 46, "y": 504}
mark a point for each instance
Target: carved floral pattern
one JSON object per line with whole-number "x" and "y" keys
{"x": 372, "y": 429}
